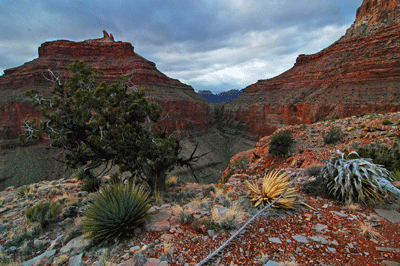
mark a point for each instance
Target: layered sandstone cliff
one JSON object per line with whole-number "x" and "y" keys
{"x": 358, "y": 74}
{"x": 187, "y": 111}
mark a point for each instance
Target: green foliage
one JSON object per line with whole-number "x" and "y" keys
{"x": 237, "y": 167}
{"x": 43, "y": 212}
{"x": 185, "y": 217}
{"x": 386, "y": 122}
{"x": 389, "y": 157}
{"x": 396, "y": 175}
{"x": 116, "y": 211}
{"x": 355, "y": 180}
{"x": 23, "y": 191}
{"x": 281, "y": 143}
{"x": 333, "y": 136}
{"x": 91, "y": 185}
{"x": 205, "y": 224}
{"x": 80, "y": 175}
{"x": 98, "y": 124}
{"x": 314, "y": 170}
{"x": 115, "y": 179}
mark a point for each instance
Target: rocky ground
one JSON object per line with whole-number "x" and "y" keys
{"x": 190, "y": 221}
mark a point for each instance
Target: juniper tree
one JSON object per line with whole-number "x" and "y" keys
{"x": 104, "y": 125}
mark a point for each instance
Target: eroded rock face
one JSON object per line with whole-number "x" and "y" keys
{"x": 187, "y": 110}
{"x": 358, "y": 74}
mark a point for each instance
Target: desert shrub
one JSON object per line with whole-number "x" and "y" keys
{"x": 386, "y": 122}
{"x": 333, "y": 136}
{"x": 80, "y": 175}
{"x": 185, "y": 217}
{"x": 389, "y": 157}
{"x": 281, "y": 143}
{"x": 274, "y": 184}
{"x": 116, "y": 211}
{"x": 230, "y": 220}
{"x": 396, "y": 175}
{"x": 314, "y": 170}
{"x": 43, "y": 212}
{"x": 356, "y": 180}
{"x": 91, "y": 185}
{"x": 205, "y": 224}
{"x": 237, "y": 167}
{"x": 22, "y": 192}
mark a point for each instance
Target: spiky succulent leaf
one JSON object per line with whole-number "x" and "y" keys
{"x": 116, "y": 211}
{"x": 356, "y": 180}
{"x": 274, "y": 184}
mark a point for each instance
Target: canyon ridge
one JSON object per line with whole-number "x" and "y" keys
{"x": 358, "y": 74}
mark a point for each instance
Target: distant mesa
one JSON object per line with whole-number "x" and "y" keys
{"x": 222, "y": 97}
{"x": 187, "y": 111}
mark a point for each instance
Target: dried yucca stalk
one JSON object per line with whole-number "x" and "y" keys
{"x": 274, "y": 184}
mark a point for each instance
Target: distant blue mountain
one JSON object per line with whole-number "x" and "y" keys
{"x": 222, "y": 97}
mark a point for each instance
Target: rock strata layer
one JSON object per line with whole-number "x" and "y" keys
{"x": 187, "y": 111}
{"x": 358, "y": 74}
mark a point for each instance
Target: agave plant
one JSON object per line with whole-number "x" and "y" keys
{"x": 357, "y": 180}
{"x": 116, "y": 211}
{"x": 274, "y": 184}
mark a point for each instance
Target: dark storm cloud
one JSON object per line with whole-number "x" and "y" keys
{"x": 214, "y": 45}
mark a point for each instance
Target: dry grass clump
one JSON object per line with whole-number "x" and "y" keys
{"x": 232, "y": 219}
{"x": 274, "y": 184}
{"x": 369, "y": 231}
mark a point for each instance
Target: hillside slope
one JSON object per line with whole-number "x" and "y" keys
{"x": 358, "y": 74}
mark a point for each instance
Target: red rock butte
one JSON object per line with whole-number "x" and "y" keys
{"x": 358, "y": 74}
{"x": 187, "y": 111}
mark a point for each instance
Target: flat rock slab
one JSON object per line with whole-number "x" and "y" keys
{"x": 341, "y": 214}
{"x": 320, "y": 227}
{"x": 35, "y": 259}
{"x": 76, "y": 245}
{"x": 275, "y": 240}
{"x": 159, "y": 220}
{"x": 300, "y": 239}
{"x": 390, "y": 215}
{"x": 319, "y": 239}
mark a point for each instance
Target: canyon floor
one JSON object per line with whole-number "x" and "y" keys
{"x": 179, "y": 231}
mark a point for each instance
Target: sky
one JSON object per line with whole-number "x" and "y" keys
{"x": 209, "y": 44}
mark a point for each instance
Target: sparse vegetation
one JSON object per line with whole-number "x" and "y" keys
{"x": 237, "y": 167}
{"x": 369, "y": 231}
{"x": 281, "y": 143}
{"x": 229, "y": 220}
{"x": 314, "y": 170}
{"x": 333, "y": 136}
{"x": 91, "y": 185}
{"x": 116, "y": 211}
{"x": 23, "y": 191}
{"x": 43, "y": 212}
{"x": 386, "y": 122}
{"x": 396, "y": 175}
{"x": 380, "y": 154}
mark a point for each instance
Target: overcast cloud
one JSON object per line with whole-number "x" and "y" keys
{"x": 213, "y": 45}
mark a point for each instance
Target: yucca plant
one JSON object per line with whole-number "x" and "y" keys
{"x": 116, "y": 211}
{"x": 357, "y": 180}
{"x": 274, "y": 184}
